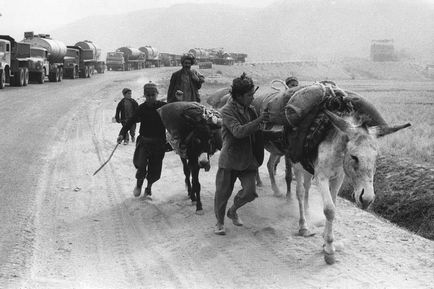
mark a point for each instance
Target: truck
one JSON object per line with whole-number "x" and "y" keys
{"x": 170, "y": 59}
{"x": 38, "y": 65}
{"x": 219, "y": 56}
{"x": 115, "y": 60}
{"x": 201, "y": 54}
{"x": 383, "y": 50}
{"x": 95, "y": 56}
{"x": 14, "y": 62}
{"x": 152, "y": 56}
{"x": 238, "y": 57}
{"x": 56, "y": 53}
{"x": 126, "y": 58}
{"x": 78, "y": 62}
{"x": 133, "y": 58}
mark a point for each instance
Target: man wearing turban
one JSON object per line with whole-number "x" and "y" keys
{"x": 186, "y": 82}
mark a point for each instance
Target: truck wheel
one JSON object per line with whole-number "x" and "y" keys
{"x": 2, "y": 79}
{"x": 26, "y": 76}
{"x": 19, "y": 77}
{"x": 60, "y": 75}
{"x": 41, "y": 77}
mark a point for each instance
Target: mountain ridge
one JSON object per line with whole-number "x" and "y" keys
{"x": 285, "y": 30}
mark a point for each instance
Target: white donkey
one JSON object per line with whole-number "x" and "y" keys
{"x": 348, "y": 150}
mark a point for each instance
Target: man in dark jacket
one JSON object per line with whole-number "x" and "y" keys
{"x": 151, "y": 143}
{"x": 242, "y": 152}
{"x": 186, "y": 82}
{"x": 125, "y": 111}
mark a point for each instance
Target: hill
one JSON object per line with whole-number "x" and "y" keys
{"x": 285, "y": 30}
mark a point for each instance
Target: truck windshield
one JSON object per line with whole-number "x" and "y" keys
{"x": 37, "y": 53}
{"x": 72, "y": 53}
{"x": 2, "y": 47}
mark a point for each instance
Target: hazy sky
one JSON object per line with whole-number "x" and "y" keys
{"x": 40, "y": 15}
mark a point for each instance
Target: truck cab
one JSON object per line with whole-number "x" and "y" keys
{"x": 115, "y": 61}
{"x": 39, "y": 67}
{"x": 14, "y": 62}
{"x": 79, "y": 62}
{"x": 5, "y": 61}
{"x": 71, "y": 62}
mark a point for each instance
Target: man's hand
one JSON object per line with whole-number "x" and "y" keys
{"x": 120, "y": 139}
{"x": 265, "y": 116}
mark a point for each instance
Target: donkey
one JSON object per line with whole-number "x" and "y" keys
{"x": 201, "y": 140}
{"x": 349, "y": 149}
{"x": 192, "y": 129}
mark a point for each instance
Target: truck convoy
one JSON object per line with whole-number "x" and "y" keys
{"x": 217, "y": 56}
{"x": 14, "y": 62}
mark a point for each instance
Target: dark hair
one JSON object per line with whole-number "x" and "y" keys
{"x": 125, "y": 91}
{"x": 291, "y": 78}
{"x": 241, "y": 85}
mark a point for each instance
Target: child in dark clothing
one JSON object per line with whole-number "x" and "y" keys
{"x": 151, "y": 143}
{"x": 125, "y": 111}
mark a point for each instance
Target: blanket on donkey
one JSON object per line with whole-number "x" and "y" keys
{"x": 181, "y": 118}
{"x": 305, "y": 124}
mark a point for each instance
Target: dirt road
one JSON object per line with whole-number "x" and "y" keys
{"x": 90, "y": 232}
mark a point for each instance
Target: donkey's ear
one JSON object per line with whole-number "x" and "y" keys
{"x": 340, "y": 123}
{"x": 382, "y": 130}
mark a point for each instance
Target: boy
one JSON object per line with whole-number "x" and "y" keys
{"x": 125, "y": 111}
{"x": 151, "y": 143}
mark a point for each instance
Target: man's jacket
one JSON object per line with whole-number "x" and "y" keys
{"x": 176, "y": 84}
{"x": 243, "y": 144}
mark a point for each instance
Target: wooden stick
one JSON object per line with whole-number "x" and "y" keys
{"x": 106, "y": 160}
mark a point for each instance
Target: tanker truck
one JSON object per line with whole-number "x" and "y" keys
{"x": 14, "y": 62}
{"x": 200, "y": 54}
{"x": 115, "y": 61}
{"x": 78, "y": 62}
{"x": 56, "y": 53}
{"x": 95, "y": 56}
{"x": 152, "y": 56}
{"x": 133, "y": 58}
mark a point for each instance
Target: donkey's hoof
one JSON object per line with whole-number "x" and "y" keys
{"x": 329, "y": 258}
{"x": 305, "y": 233}
{"x": 200, "y": 212}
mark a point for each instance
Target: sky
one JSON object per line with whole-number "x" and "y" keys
{"x": 18, "y": 16}
{"x": 43, "y": 16}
